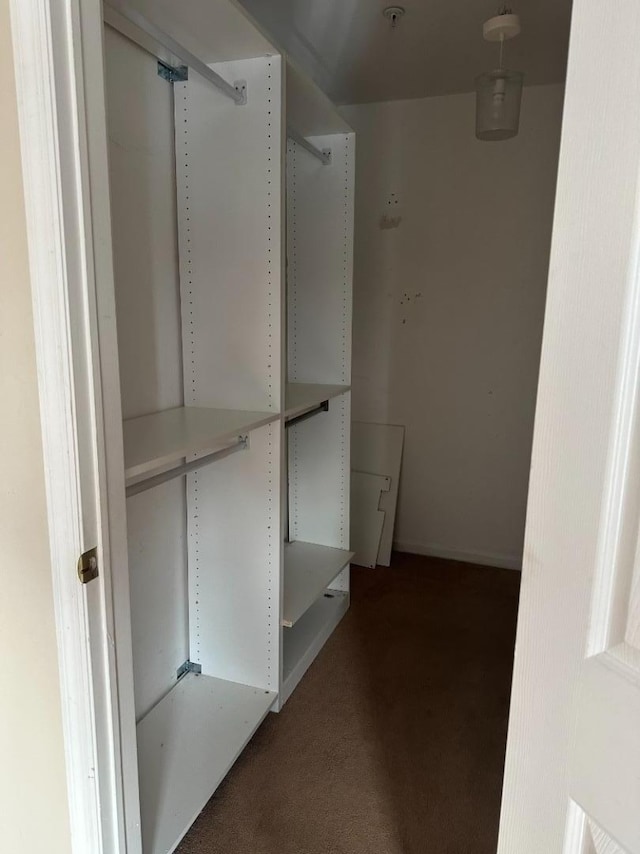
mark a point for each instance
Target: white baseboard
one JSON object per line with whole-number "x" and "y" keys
{"x": 483, "y": 558}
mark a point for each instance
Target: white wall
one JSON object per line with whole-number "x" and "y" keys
{"x": 33, "y": 795}
{"x": 449, "y": 309}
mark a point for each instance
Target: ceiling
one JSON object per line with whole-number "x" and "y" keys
{"x": 349, "y": 48}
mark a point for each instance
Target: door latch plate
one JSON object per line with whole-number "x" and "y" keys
{"x": 88, "y": 566}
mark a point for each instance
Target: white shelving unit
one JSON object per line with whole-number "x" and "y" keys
{"x": 219, "y": 350}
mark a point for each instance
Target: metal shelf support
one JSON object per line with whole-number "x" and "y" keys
{"x": 115, "y": 9}
{"x": 323, "y": 155}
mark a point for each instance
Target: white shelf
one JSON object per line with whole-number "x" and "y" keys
{"x": 303, "y": 642}
{"x": 186, "y": 745}
{"x": 151, "y": 441}
{"x": 309, "y": 110}
{"x": 308, "y": 570}
{"x": 301, "y": 397}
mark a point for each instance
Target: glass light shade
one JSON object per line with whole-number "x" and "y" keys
{"x": 498, "y": 96}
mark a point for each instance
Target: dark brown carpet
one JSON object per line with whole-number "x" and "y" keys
{"x": 394, "y": 741}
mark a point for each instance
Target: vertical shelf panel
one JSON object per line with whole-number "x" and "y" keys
{"x": 229, "y": 176}
{"x": 320, "y": 261}
{"x": 234, "y": 563}
{"x": 319, "y": 476}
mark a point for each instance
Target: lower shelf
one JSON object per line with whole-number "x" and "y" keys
{"x": 186, "y": 745}
{"x": 308, "y": 569}
{"x": 304, "y": 641}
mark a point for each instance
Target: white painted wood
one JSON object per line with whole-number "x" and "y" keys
{"x": 145, "y": 257}
{"x": 308, "y": 570}
{"x": 300, "y": 397}
{"x": 304, "y": 641}
{"x": 603, "y": 843}
{"x": 377, "y": 448}
{"x": 60, "y": 135}
{"x": 605, "y": 763}
{"x": 367, "y": 520}
{"x": 145, "y": 251}
{"x": 320, "y": 261}
{"x": 231, "y": 271}
{"x": 319, "y": 477}
{"x": 159, "y": 601}
{"x": 152, "y": 441}
{"x": 214, "y": 30}
{"x": 309, "y": 110}
{"x": 234, "y": 563}
{"x": 187, "y": 743}
{"x": 576, "y": 690}
{"x": 229, "y": 210}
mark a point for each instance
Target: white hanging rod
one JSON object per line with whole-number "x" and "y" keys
{"x": 159, "y": 37}
{"x": 179, "y": 471}
{"x": 324, "y": 155}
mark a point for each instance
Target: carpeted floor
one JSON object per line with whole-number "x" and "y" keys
{"x": 393, "y": 743}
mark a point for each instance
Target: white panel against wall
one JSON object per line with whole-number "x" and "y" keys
{"x": 319, "y": 479}
{"x": 234, "y": 563}
{"x": 144, "y": 222}
{"x": 378, "y": 448}
{"x": 229, "y": 178}
{"x": 320, "y": 261}
{"x": 367, "y": 519}
{"x": 157, "y": 580}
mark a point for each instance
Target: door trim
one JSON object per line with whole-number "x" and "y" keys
{"x": 51, "y": 64}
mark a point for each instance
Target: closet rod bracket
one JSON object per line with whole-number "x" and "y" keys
{"x": 297, "y": 419}
{"x": 188, "y": 667}
{"x": 173, "y": 73}
{"x": 241, "y": 88}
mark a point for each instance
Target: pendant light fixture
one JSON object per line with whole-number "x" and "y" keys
{"x": 499, "y": 92}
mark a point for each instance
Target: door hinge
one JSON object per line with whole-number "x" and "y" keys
{"x": 88, "y": 566}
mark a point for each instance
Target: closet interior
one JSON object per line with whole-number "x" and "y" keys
{"x": 231, "y": 182}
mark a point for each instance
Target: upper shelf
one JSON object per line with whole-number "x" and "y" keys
{"x": 151, "y": 441}
{"x": 300, "y": 397}
{"x": 214, "y": 30}
{"x": 309, "y": 110}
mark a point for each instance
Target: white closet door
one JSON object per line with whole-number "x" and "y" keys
{"x": 572, "y": 780}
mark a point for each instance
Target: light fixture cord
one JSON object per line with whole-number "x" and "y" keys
{"x": 501, "y": 48}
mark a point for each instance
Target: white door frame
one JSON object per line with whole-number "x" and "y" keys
{"x": 60, "y": 91}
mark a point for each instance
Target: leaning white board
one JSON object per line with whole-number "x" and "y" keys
{"x": 377, "y": 448}
{"x": 367, "y": 520}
